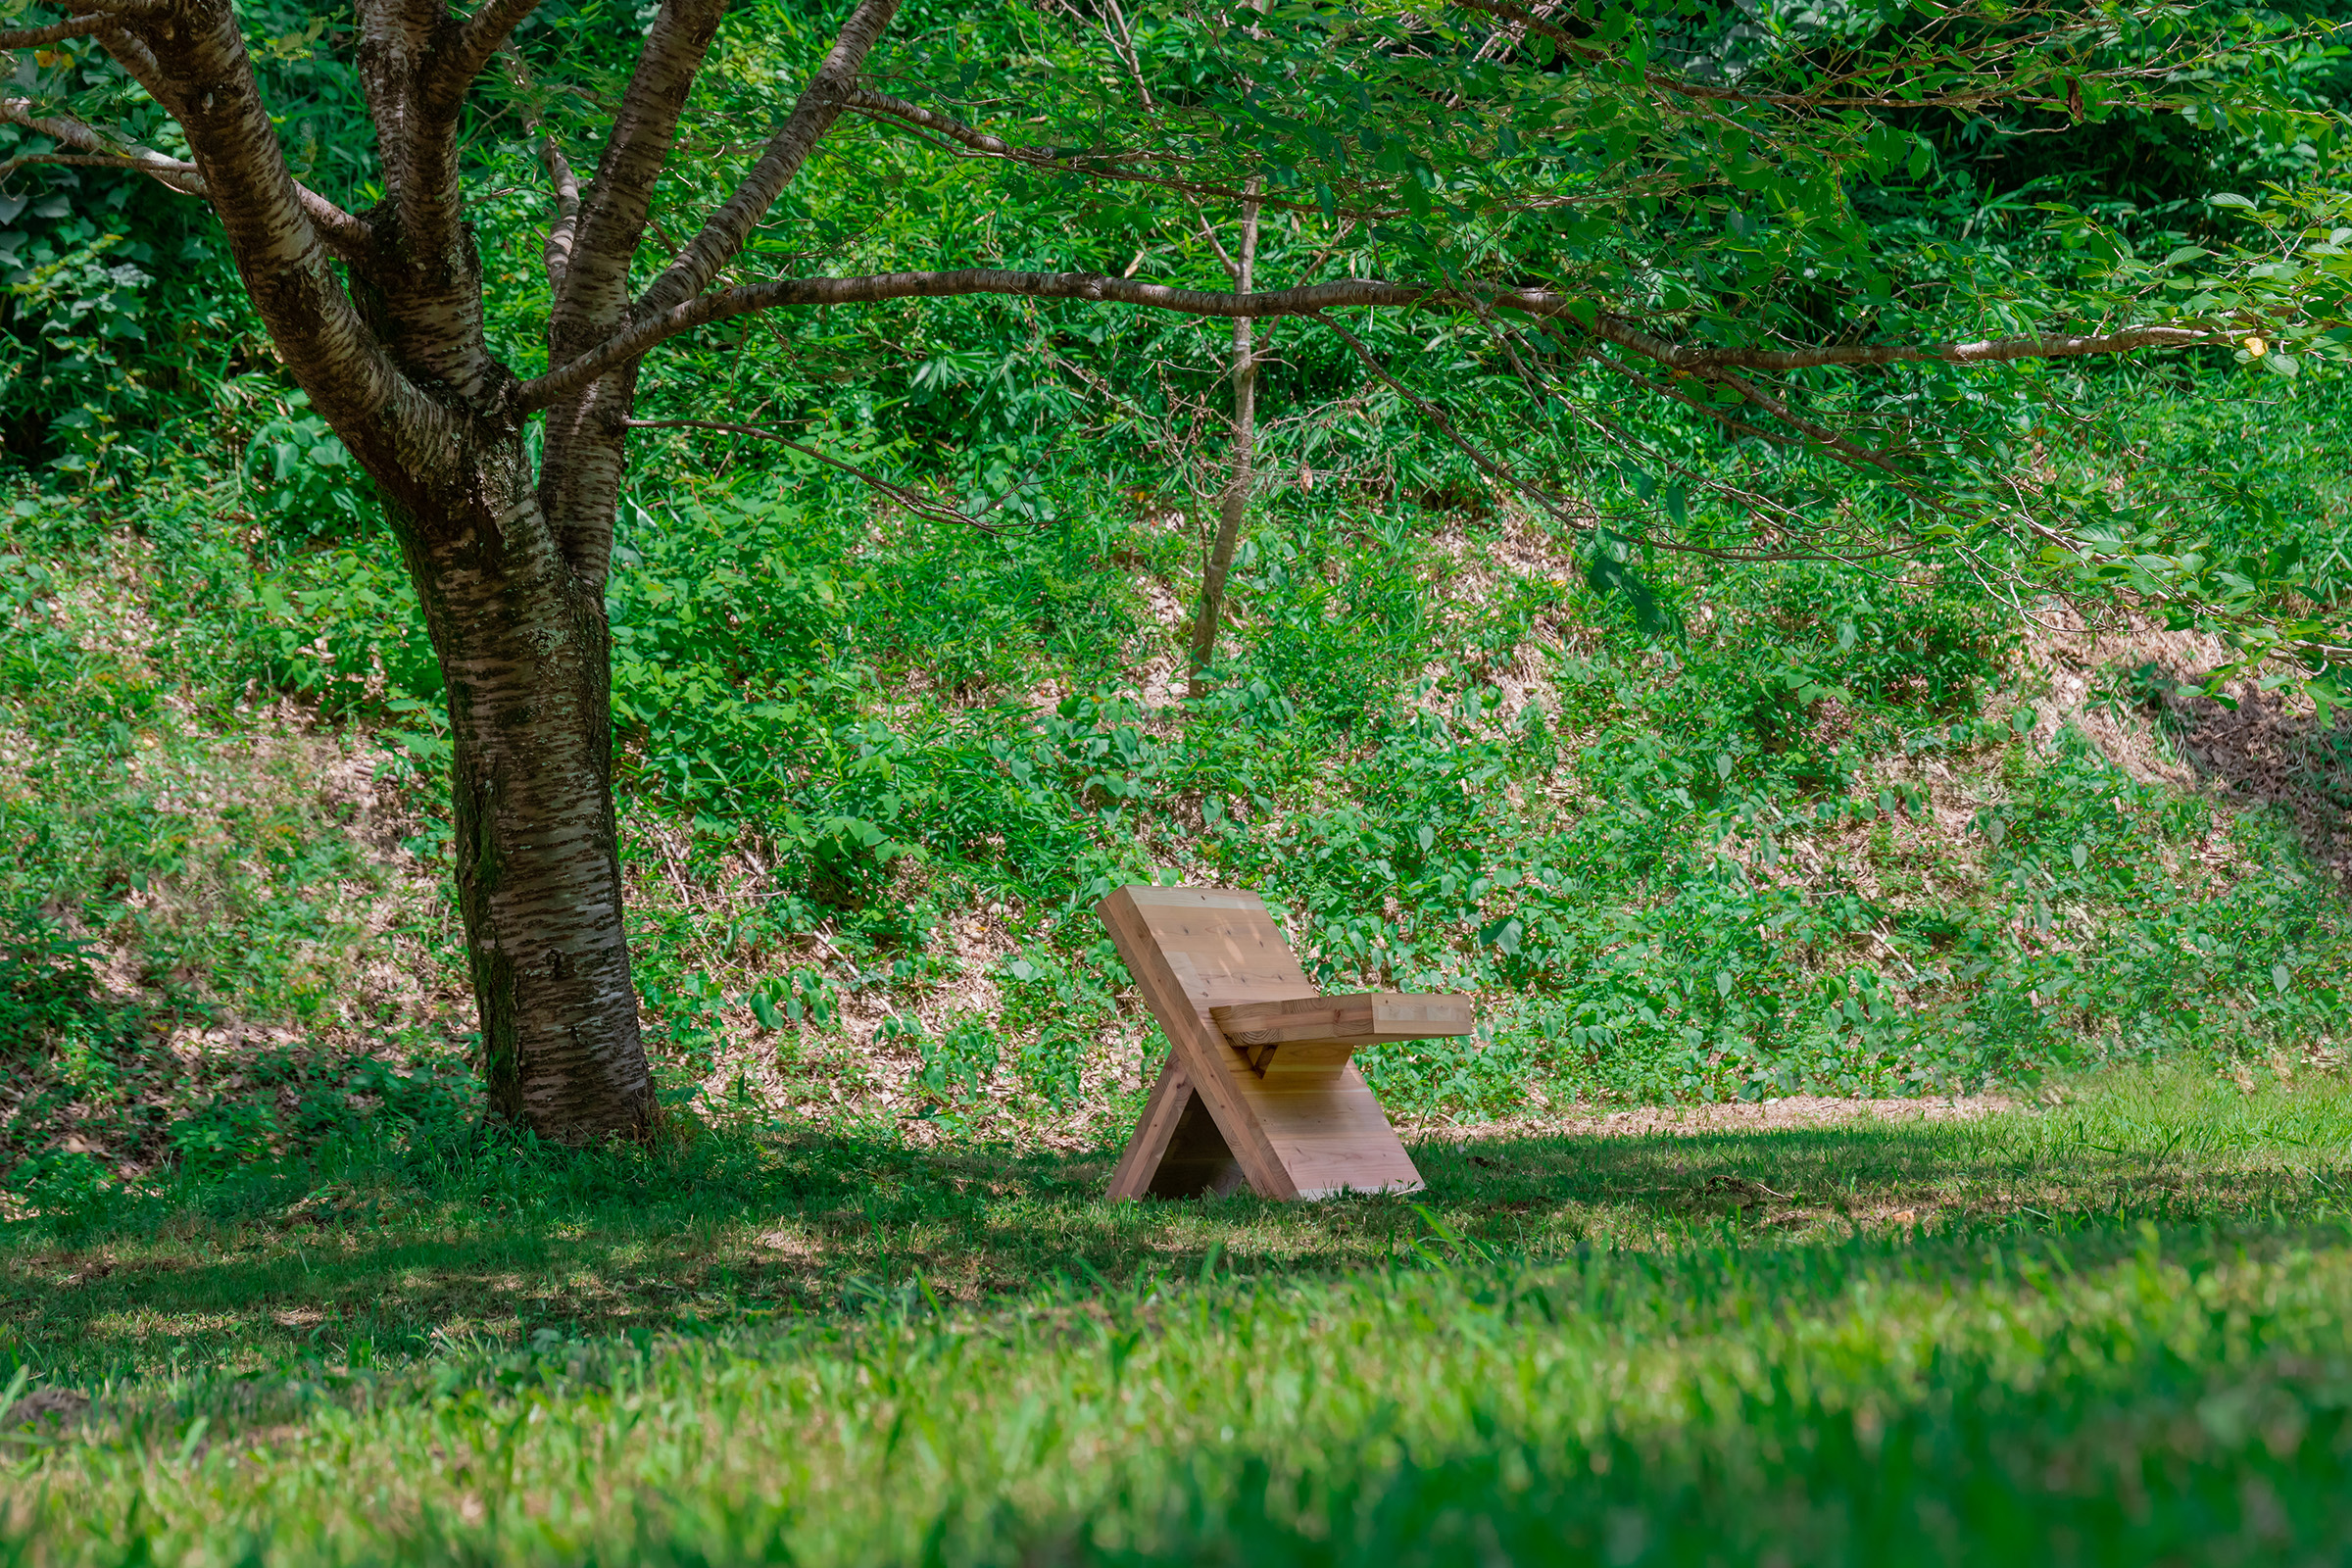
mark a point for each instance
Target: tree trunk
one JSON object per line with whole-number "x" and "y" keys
{"x": 524, "y": 642}
{"x": 1236, "y": 500}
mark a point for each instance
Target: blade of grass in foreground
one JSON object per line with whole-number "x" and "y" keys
{"x": 2088, "y": 1382}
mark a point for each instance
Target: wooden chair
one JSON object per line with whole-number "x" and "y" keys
{"x": 1259, "y": 1085}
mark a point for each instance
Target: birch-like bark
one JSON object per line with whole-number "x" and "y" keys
{"x": 396, "y": 362}
{"x": 1236, "y": 500}
{"x": 523, "y": 643}
{"x": 587, "y": 426}
{"x": 819, "y": 107}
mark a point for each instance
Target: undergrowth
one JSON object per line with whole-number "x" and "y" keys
{"x": 1791, "y": 828}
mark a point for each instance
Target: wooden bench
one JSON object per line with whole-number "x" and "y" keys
{"x": 1259, "y": 1085}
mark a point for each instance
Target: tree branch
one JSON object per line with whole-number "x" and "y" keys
{"x": 587, "y": 437}
{"x": 594, "y": 299}
{"x": 633, "y": 342}
{"x": 898, "y": 495}
{"x": 1095, "y": 166}
{"x": 1683, "y": 87}
{"x": 54, "y": 32}
{"x": 558, "y": 253}
{"x": 179, "y": 178}
{"x": 346, "y": 235}
{"x": 277, "y": 232}
{"x": 819, "y": 105}
{"x": 1493, "y": 467}
{"x": 458, "y": 58}
{"x": 130, "y": 52}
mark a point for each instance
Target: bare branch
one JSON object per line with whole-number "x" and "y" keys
{"x": 568, "y": 208}
{"x": 349, "y": 237}
{"x": 1232, "y": 269}
{"x": 1684, "y": 87}
{"x": 72, "y": 132}
{"x": 54, "y": 32}
{"x": 634, "y": 341}
{"x": 594, "y": 298}
{"x": 1093, "y": 165}
{"x": 1493, "y": 467}
{"x": 130, "y": 52}
{"x": 1851, "y": 451}
{"x": 586, "y": 440}
{"x": 1848, "y": 355}
{"x": 182, "y": 178}
{"x": 283, "y": 237}
{"x": 820, "y": 106}
{"x": 1502, "y": 474}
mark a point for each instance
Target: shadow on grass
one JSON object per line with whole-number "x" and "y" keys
{"x": 387, "y": 1255}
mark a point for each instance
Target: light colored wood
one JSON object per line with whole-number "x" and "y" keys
{"x": 1317, "y": 1034}
{"x": 1177, "y": 1150}
{"x": 1170, "y": 1095}
{"x": 1373, "y": 1015}
{"x": 1307, "y": 1132}
{"x": 1190, "y": 949}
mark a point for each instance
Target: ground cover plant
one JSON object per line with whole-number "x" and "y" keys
{"x": 1688, "y": 831}
{"x": 2105, "y": 1328}
{"x": 1832, "y": 830}
{"x": 1908, "y": 1120}
{"x": 1599, "y": 179}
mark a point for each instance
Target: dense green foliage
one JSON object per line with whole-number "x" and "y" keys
{"x": 1692, "y": 830}
{"x": 1695, "y": 830}
{"x": 1830, "y": 830}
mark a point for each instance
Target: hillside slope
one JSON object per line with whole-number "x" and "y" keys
{"x": 1740, "y": 833}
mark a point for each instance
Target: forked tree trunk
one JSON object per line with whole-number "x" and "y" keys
{"x": 524, "y": 647}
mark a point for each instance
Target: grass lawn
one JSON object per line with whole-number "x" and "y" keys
{"x": 2107, "y": 1330}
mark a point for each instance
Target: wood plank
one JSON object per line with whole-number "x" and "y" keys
{"x": 1293, "y": 1134}
{"x": 1169, "y": 1097}
{"x": 1372, "y": 1015}
{"x": 1176, "y": 1149}
{"x": 1333, "y": 1137}
{"x": 1318, "y": 1035}
{"x": 1307, "y": 1058}
{"x": 1190, "y": 949}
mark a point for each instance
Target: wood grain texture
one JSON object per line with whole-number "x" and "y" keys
{"x": 1176, "y": 1151}
{"x": 1170, "y": 1096}
{"x": 1371, "y": 1015}
{"x": 1293, "y": 1134}
{"x": 1190, "y": 949}
{"x": 1320, "y": 1034}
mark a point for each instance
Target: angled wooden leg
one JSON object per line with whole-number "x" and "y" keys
{"x": 1170, "y": 1096}
{"x": 1177, "y": 1150}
